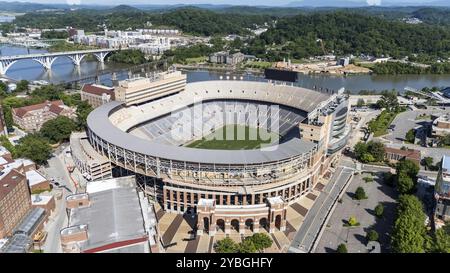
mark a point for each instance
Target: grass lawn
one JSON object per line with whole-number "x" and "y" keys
{"x": 260, "y": 65}
{"x": 218, "y": 140}
{"x": 421, "y": 117}
{"x": 201, "y": 59}
{"x": 381, "y": 123}
{"x": 65, "y": 46}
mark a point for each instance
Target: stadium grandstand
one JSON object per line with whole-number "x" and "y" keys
{"x": 251, "y": 183}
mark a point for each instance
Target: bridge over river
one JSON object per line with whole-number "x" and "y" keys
{"x": 47, "y": 59}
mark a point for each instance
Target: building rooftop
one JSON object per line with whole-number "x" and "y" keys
{"x": 17, "y": 244}
{"x": 54, "y": 106}
{"x": 34, "y": 177}
{"x": 408, "y": 153}
{"x": 97, "y": 89}
{"x": 114, "y": 213}
{"x": 9, "y": 181}
{"x": 30, "y": 222}
{"x": 39, "y": 199}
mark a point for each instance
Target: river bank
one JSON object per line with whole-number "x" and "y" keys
{"x": 63, "y": 70}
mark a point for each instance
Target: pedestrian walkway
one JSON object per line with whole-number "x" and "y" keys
{"x": 316, "y": 216}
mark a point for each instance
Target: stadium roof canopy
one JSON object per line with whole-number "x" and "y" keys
{"x": 99, "y": 123}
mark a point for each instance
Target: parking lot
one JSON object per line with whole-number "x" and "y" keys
{"x": 406, "y": 121}
{"x": 355, "y": 237}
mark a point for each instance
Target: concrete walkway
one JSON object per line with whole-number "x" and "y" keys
{"x": 315, "y": 218}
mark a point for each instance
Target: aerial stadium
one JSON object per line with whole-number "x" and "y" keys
{"x": 183, "y": 144}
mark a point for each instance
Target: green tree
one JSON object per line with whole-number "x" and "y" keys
{"x": 360, "y": 194}
{"x": 389, "y": 101}
{"x": 226, "y": 245}
{"x": 409, "y": 167}
{"x": 379, "y": 210}
{"x": 372, "y": 235}
{"x": 247, "y": 246}
{"x": 360, "y": 102}
{"x": 367, "y": 158}
{"x": 83, "y": 110}
{"x": 353, "y": 222}
{"x": 4, "y": 141}
{"x": 409, "y": 231}
{"x": 410, "y": 136}
{"x": 342, "y": 248}
{"x": 427, "y": 162}
{"x": 22, "y": 85}
{"x": 35, "y": 148}
{"x": 58, "y": 129}
{"x": 368, "y": 179}
{"x": 261, "y": 241}
{"x": 442, "y": 239}
{"x": 3, "y": 90}
{"x": 360, "y": 149}
{"x": 444, "y": 141}
{"x": 405, "y": 184}
{"x": 376, "y": 149}
{"x": 129, "y": 56}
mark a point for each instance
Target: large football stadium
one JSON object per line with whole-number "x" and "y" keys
{"x": 234, "y": 153}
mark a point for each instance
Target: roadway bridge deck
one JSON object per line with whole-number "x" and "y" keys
{"x": 47, "y": 59}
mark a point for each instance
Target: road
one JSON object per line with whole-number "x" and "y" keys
{"x": 56, "y": 169}
{"x": 315, "y": 218}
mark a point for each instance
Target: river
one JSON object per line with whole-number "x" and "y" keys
{"x": 64, "y": 70}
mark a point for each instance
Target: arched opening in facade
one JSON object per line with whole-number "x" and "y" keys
{"x": 235, "y": 225}
{"x": 220, "y": 223}
{"x": 278, "y": 222}
{"x": 206, "y": 224}
{"x": 264, "y": 224}
{"x": 249, "y": 224}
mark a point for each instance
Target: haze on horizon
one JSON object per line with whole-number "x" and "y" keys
{"x": 226, "y": 2}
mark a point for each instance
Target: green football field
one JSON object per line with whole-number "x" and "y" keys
{"x": 224, "y": 139}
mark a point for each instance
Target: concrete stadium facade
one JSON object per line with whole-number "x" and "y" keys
{"x": 226, "y": 189}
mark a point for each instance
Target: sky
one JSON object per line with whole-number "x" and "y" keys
{"x": 230, "y": 2}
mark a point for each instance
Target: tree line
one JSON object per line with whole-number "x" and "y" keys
{"x": 190, "y": 20}
{"x": 37, "y": 146}
{"x": 345, "y": 32}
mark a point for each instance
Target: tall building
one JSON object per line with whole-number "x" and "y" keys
{"x": 32, "y": 117}
{"x": 442, "y": 190}
{"x": 139, "y": 90}
{"x": 15, "y": 201}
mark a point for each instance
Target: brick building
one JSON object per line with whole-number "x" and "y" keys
{"x": 97, "y": 95}
{"x": 394, "y": 155}
{"x": 15, "y": 201}
{"x": 32, "y": 117}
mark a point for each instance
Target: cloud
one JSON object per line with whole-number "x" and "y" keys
{"x": 73, "y": 2}
{"x": 374, "y": 2}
